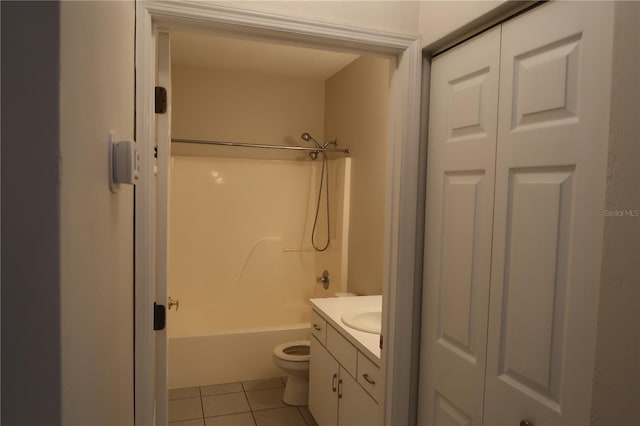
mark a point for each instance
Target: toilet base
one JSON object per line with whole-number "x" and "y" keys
{"x": 296, "y": 392}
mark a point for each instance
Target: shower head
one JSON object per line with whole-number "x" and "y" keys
{"x": 307, "y": 137}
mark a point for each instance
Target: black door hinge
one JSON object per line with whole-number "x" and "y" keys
{"x": 161, "y": 100}
{"x": 159, "y": 316}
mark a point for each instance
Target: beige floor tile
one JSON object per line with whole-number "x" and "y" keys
{"x": 221, "y": 389}
{"x": 286, "y": 416}
{"x": 194, "y": 422}
{"x": 263, "y": 384}
{"x": 185, "y": 409}
{"x": 308, "y": 417}
{"x": 184, "y": 393}
{"x": 243, "y": 419}
{"x": 220, "y": 405}
{"x": 266, "y": 398}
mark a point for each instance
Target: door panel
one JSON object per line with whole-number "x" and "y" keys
{"x": 549, "y": 199}
{"x": 460, "y": 176}
{"x": 445, "y": 413}
{"x": 539, "y": 216}
{"x": 323, "y": 385}
{"x": 356, "y": 407}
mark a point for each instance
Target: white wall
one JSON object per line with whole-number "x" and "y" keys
{"x": 30, "y": 214}
{"x": 356, "y": 111}
{"x": 96, "y": 226}
{"x": 616, "y": 382}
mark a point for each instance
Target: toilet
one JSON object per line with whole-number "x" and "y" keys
{"x": 293, "y": 357}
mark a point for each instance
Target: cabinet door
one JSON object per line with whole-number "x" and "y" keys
{"x": 356, "y": 407}
{"x": 460, "y": 183}
{"x": 550, "y": 184}
{"x": 323, "y": 385}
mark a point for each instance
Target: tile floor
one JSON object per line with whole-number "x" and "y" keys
{"x": 254, "y": 403}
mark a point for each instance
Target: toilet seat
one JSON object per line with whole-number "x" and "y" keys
{"x": 280, "y": 351}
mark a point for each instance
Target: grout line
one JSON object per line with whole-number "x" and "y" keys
{"x": 255, "y": 422}
{"x": 201, "y": 404}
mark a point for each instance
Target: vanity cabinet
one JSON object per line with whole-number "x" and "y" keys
{"x": 335, "y": 396}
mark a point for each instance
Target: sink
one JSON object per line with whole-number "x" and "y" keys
{"x": 367, "y": 320}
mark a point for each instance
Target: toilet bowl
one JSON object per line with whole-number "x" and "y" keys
{"x": 293, "y": 357}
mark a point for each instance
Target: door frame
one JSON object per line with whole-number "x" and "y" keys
{"x": 402, "y": 244}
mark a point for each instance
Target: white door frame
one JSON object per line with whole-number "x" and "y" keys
{"x": 398, "y": 354}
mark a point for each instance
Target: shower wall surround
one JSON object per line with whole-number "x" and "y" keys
{"x": 240, "y": 251}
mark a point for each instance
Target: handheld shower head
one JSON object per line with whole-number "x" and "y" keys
{"x": 307, "y": 137}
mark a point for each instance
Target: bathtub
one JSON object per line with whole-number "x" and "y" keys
{"x": 226, "y": 356}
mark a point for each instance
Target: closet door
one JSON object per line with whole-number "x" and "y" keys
{"x": 460, "y": 182}
{"x": 549, "y": 202}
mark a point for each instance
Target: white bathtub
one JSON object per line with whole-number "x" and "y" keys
{"x": 228, "y": 356}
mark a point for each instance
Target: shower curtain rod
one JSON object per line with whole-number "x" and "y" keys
{"x": 255, "y": 145}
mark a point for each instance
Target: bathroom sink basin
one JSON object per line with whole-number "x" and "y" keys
{"x": 367, "y": 320}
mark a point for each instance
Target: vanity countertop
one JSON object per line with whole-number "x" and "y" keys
{"x": 332, "y": 308}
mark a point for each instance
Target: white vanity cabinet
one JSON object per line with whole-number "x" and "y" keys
{"x": 335, "y": 396}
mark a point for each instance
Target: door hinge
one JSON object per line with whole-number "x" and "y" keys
{"x": 159, "y": 317}
{"x": 161, "y": 100}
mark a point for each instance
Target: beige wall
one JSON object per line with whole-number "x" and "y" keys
{"x": 392, "y": 16}
{"x": 440, "y": 18}
{"x": 356, "y": 112}
{"x": 96, "y": 95}
{"x": 245, "y": 107}
{"x": 616, "y": 386}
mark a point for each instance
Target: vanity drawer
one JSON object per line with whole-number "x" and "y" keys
{"x": 319, "y": 327}
{"x": 369, "y": 376}
{"x": 342, "y": 350}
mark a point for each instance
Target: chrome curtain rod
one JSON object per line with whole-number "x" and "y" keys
{"x": 256, "y": 145}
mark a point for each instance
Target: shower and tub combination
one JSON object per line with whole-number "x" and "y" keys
{"x": 250, "y": 238}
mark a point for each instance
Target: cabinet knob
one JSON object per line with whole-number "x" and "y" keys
{"x": 334, "y": 387}
{"x": 317, "y": 327}
{"x": 525, "y": 423}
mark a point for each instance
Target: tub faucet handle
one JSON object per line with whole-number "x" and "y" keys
{"x": 324, "y": 279}
{"x": 173, "y": 302}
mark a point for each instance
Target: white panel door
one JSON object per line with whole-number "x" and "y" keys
{"x": 460, "y": 182}
{"x": 549, "y": 201}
